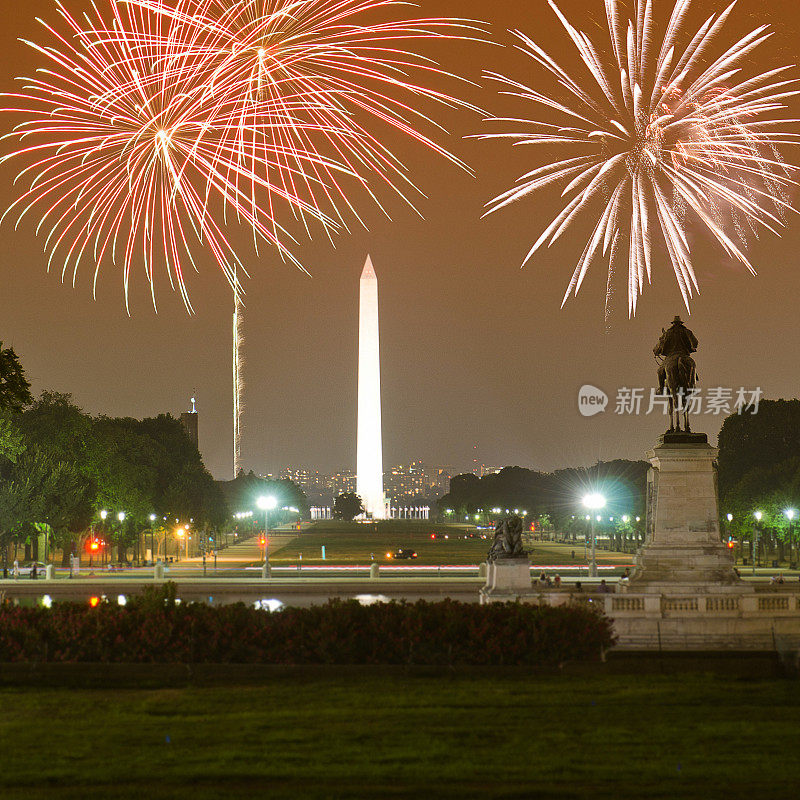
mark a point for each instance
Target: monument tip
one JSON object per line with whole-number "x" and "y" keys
{"x": 369, "y": 270}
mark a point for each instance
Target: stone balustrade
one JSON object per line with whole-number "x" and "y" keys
{"x": 731, "y": 619}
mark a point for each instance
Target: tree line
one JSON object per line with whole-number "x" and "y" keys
{"x": 759, "y": 476}
{"x": 61, "y": 467}
{"x": 550, "y": 499}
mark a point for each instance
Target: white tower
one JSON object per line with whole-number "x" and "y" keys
{"x": 369, "y": 450}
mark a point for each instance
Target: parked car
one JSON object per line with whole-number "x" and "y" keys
{"x": 402, "y": 553}
{"x": 25, "y": 570}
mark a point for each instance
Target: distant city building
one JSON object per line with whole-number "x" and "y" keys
{"x": 416, "y": 480}
{"x": 344, "y": 481}
{"x": 403, "y": 482}
{"x": 315, "y": 485}
{"x": 439, "y": 479}
{"x": 189, "y": 422}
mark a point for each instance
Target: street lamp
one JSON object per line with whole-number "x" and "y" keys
{"x": 790, "y": 515}
{"x": 152, "y": 543}
{"x": 758, "y": 516}
{"x": 594, "y": 501}
{"x": 182, "y": 536}
{"x": 266, "y": 503}
{"x": 729, "y": 517}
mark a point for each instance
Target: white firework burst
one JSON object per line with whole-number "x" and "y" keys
{"x": 657, "y": 133}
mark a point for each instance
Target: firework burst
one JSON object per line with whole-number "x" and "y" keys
{"x": 656, "y": 132}
{"x": 122, "y": 161}
{"x": 314, "y": 77}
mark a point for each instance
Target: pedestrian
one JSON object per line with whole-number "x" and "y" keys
{"x": 15, "y": 570}
{"x": 543, "y": 577}
{"x": 557, "y": 581}
{"x": 34, "y": 576}
{"x": 603, "y": 588}
{"x": 578, "y": 586}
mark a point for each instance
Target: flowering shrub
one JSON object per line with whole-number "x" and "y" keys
{"x": 154, "y": 629}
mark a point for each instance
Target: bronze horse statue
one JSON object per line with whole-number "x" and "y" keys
{"x": 677, "y": 375}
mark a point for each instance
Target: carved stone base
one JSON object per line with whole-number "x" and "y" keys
{"x": 507, "y": 579}
{"x": 702, "y": 567}
{"x": 682, "y": 544}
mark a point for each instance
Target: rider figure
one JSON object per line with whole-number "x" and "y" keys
{"x": 677, "y": 341}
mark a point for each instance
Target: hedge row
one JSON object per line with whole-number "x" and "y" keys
{"x": 442, "y": 633}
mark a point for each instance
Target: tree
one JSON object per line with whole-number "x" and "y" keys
{"x": 12, "y": 440}
{"x": 555, "y": 496}
{"x": 151, "y": 466}
{"x": 243, "y": 492}
{"x": 65, "y": 502}
{"x": 58, "y": 461}
{"x": 15, "y": 391}
{"x": 762, "y": 440}
{"x": 347, "y": 506}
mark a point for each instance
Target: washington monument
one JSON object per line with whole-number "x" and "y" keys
{"x": 369, "y": 450}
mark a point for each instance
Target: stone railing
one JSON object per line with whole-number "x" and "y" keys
{"x": 723, "y": 620}
{"x": 686, "y": 604}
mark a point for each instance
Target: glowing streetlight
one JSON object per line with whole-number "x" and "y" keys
{"x": 181, "y": 532}
{"x": 594, "y": 501}
{"x": 152, "y": 538}
{"x": 790, "y": 513}
{"x": 266, "y": 503}
{"x": 757, "y": 515}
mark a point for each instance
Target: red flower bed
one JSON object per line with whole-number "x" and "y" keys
{"x": 154, "y": 629}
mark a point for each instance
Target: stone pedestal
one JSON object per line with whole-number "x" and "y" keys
{"x": 682, "y": 547}
{"x": 507, "y": 579}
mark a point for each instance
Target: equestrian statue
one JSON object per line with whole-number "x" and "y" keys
{"x": 677, "y": 372}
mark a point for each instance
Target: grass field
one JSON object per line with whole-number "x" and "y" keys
{"x": 686, "y": 736}
{"x": 355, "y": 543}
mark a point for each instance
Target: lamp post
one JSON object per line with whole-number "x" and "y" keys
{"x": 758, "y": 516}
{"x": 729, "y": 517}
{"x": 152, "y": 542}
{"x": 182, "y": 536}
{"x": 593, "y": 502}
{"x": 103, "y": 516}
{"x": 266, "y": 503}
{"x": 121, "y": 519}
{"x": 790, "y": 515}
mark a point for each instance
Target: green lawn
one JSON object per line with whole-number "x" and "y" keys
{"x": 354, "y": 543}
{"x": 684, "y": 736}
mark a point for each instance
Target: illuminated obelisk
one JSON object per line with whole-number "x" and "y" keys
{"x": 369, "y": 448}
